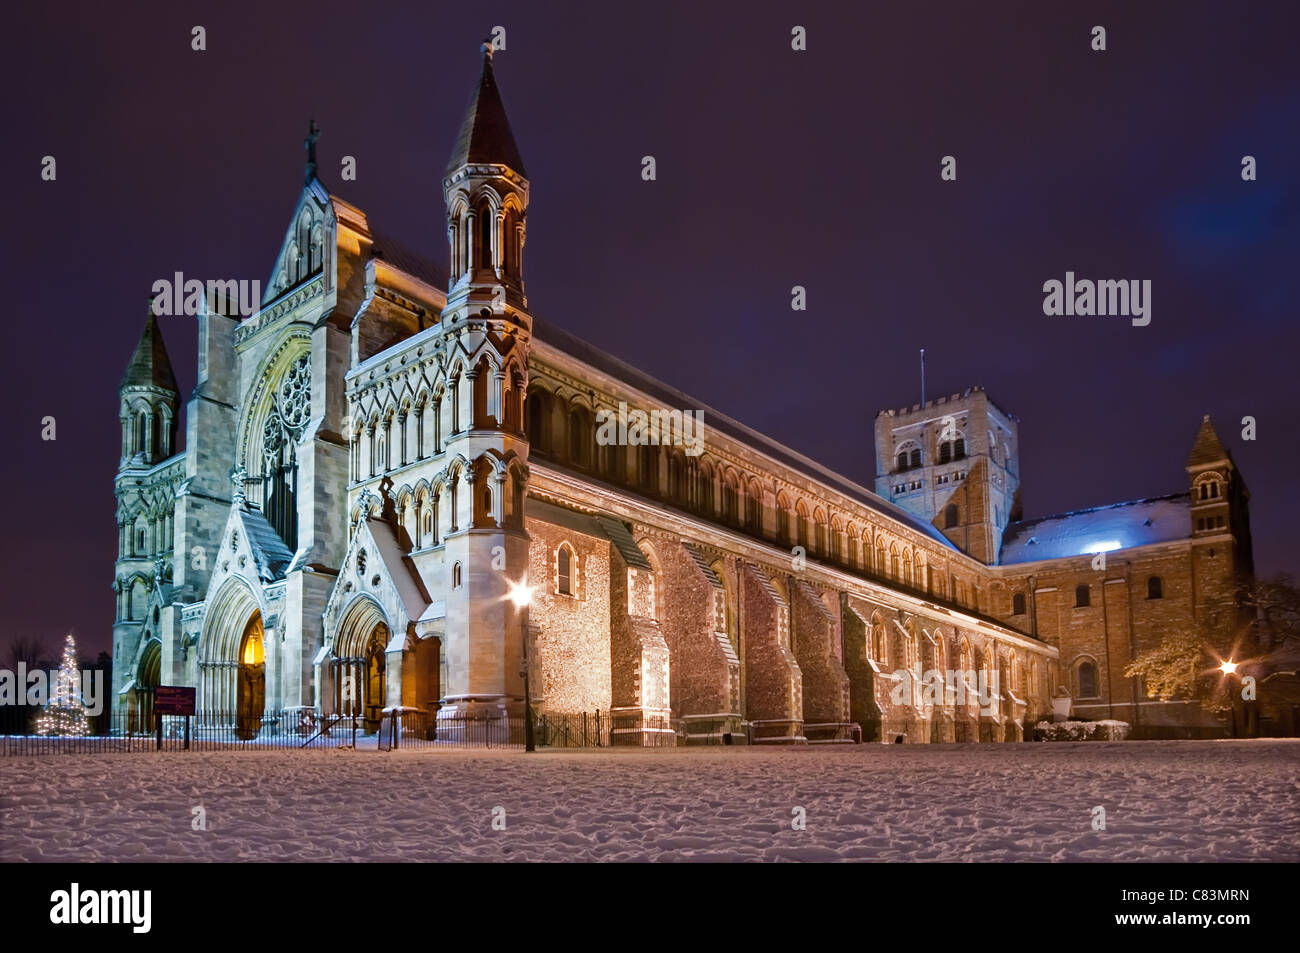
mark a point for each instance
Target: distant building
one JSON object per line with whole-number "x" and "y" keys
{"x": 1171, "y": 563}
{"x": 377, "y": 457}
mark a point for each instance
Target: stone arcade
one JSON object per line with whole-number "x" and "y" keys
{"x": 380, "y": 451}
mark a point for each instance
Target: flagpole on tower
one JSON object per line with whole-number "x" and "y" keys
{"x": 922, "y": 377}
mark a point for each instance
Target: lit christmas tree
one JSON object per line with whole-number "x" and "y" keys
{"x": 66, "y": 712}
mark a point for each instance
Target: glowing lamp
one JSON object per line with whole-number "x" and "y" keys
{"x": 520, "y": 594}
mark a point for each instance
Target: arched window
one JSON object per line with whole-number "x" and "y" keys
{"x": 535, "y": 426}
{"x": 878, "y": 640}
{"x": 485, "y": 221}
{"x": 1018, "y": 604}
{"x": 647, "y": 462}
{"x": 754, "y": 509}
{"x": 455, "y": 575}
{"x": 487, "y": 504}
{"x": 578, "y": 438}
{"x": 508, "y": 242}
{"x": 730, "y": 511}
{"x": 950, "y": 516}
{"x": 1082, "y": 596}
{"x": 453, "y": 508}
{"x": 1155, "y": 588}
{"x": 564, "y": 571}
{"x": 909, "y": 456}
{"x": 517, "y": 498}
{"x": 1087, "y": 680}
{"x": 704, "y": 497}
{"x": 453, "y": 388}
{"x": 959, "y": 448}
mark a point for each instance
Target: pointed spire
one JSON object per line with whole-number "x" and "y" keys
{"x": 313, "y": 133}
{"x": 485, "y": 135}
{"x": 150, "y": 366}
{"x": 1207, "y": 448}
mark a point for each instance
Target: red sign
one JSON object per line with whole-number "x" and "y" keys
{"x": 173, "y": 700}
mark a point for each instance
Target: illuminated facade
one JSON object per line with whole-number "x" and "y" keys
{"x": 378, "y": 455}
{"x": 1104, "y": 584}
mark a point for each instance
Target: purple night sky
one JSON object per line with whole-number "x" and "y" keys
{"x": 775, "y": 168}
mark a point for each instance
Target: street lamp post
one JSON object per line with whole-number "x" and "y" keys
{"x": 528, "y": 702}
{"x": 1229, "y": 669}
{"x": 522, "y": 595}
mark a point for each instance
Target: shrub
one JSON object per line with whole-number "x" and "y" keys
{"x": 1106, "y": 730}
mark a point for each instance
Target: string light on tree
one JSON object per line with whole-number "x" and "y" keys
{"x": 66, "y": 712}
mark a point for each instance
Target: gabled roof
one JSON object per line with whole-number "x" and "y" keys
{"x": 1101, "y": 528}
{"x": 392, "y": 252}
{"x": 401, "y": 257}
{"x": 150, "y": 366}
{"x": 597, "y": 527}
{"x": 406, "y": 578}
{"x": 705, "y": 568}
{"x": 619, "y": 535}
{"x": 270, "y": 553}
{"x": 1207, "y": 448}
{"x": 485, "y": 135}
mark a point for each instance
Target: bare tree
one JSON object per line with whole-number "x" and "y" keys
{"x": 1274, "y": 605}
{"x": 28, "y": 650}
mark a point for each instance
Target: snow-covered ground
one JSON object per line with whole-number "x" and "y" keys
{"x": 1167, "y": 801}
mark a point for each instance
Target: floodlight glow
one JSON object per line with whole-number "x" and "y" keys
{"x": 520, "y": 594}
{"x": 1102, "y": 546}
{"x": 1227, "y": 668}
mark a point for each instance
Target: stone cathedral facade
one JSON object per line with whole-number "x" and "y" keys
{"x": 381, "y": 455}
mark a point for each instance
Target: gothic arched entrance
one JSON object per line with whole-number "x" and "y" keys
{"x": 376, "y": 674}
{"x": 250, "y": 684}
{"x": 148, "y": 675}
{"x": 358, "y": 671}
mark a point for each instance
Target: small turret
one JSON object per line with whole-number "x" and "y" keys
{"x": 149, "y": 399}
{"x": 486, "y": 193}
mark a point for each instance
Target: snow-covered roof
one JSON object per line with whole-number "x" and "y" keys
{"x": 405, "y": 577}
{"x": 575, "y": 347}
{"x": 1099, "y": 529}
{"x": 269, "y": 552}
{"x": 598, "y": 527}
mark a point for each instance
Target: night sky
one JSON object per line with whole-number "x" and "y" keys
{"x": 775, "y": 168}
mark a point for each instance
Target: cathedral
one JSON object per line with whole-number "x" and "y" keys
{"x": 399, "y": 490}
